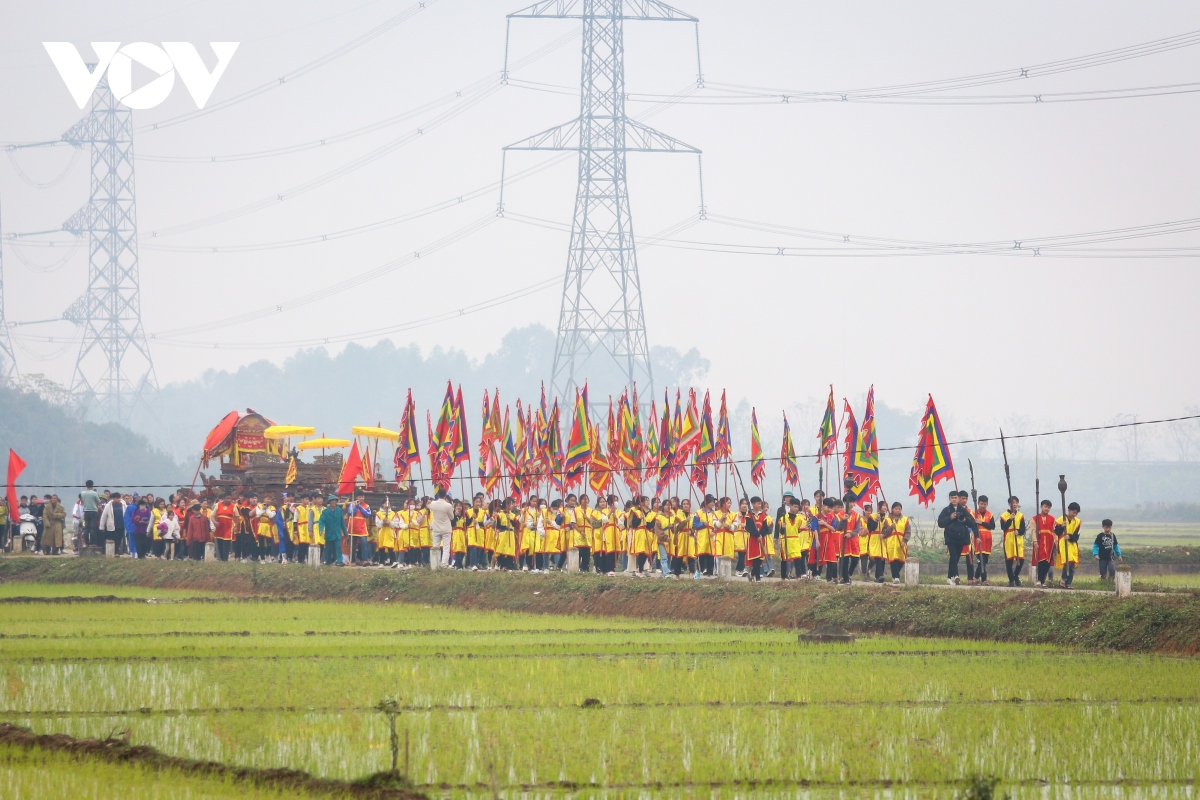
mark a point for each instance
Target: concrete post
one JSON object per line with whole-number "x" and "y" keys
{"x": 631, "y": 564}
{"x": 435, "y": 558}
{"x": 725, "y": 568}
{"x": 314, "y": 555}
{"x": 110, "y": 549}
{"x": 912, "y": 572}
{"x": 1124, "y": 581}
{"x": 210, "y": 551}
{"x": 573, "y": 559}
{"x": 17, "y": 541}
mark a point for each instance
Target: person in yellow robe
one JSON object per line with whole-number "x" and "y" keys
{"x": 596, "y": 521}
{"x": 504, "y": 522}
{"x": 552, "y": 521}
{"x": 795, "y": 539}
{"x": 529, "y": 522}
{"x": 266, "y": 535}
{"x": 316, "y": 528}
{"x": 704, "y": 529}
{"x": 895, "y": 541}
{"x": 301, "y": 529}
{"x": 423, "y": 542}
{"x": 1012, "y": 528}
{"x": 684, "y": 556}
{"x": 387, "y": 528}
{"x": 607, "y": 524}
{"x": 579, "y": 530}
{"x": 871, "y": 542}
{"x": 458, "y": 536}
{"x": 1066, "y": 553}
{"x": 741, "y": 538}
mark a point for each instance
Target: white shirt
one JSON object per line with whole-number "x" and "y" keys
{"x": 443, "y": 516}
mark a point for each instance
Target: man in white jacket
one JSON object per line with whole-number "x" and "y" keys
{"x": 442, "y": 523}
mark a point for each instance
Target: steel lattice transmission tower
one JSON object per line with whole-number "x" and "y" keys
{"x": 113, "y": 371}
{"x": 8, "y": 361}
{"x": 601, "y": 309}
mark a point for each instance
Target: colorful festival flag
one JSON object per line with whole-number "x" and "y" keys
{"x": 861, "y": 484}
{"x": 706, "y": 447}
{"x": 408, "y": 451}
{"x": 827, "y": 434}
{"x": 787, "y": 455}
{"x": 579, "y": 446}
{"x": 724, "y": 443}
{"x": 758, "y": 464}
{"x": 600, "y": 475}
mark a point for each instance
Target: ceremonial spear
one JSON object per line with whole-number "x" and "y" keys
{"x": 1012, "y": 519}
{"x": 975, "y": 505}
{"x": 1062, "y": 488}
{"x": 1037, "y": 504}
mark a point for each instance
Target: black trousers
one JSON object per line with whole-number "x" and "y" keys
{"x": 981, "y": 565}
{"x": 223, "y": 548}
{"x": 831, "y": 571}
{"x": 897, "y": 569}
{"x": 585, "y": 559}
{"x": 740, "y": 566}
{"x": 1043, "y": 571}
{"x": 1106, "y": 569}
{"x": 956, "y": 551}
{"x": 1068, "y": 573}
{"x": 848, "y": 565}
{"x": 196, "y": 550}
{"x": 878, "y": 563}
{"x": 1013, "y": 567}
{"x": 708, "y": 563}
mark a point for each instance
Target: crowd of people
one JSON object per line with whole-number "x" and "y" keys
{"x": 828, "y": 538}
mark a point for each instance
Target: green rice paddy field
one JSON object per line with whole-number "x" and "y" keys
{"x": 494, "y": 703}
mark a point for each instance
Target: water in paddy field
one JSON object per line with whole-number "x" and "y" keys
{"x": 493, "y": 704}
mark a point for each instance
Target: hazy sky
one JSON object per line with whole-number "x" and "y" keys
{"x": 1075, "y": 340}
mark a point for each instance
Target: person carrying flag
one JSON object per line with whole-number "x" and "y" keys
{"x": 758, "y": 531}
{"x": 895, "y": 542}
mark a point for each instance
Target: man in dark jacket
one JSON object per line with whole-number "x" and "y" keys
{"x": 959, "y": 526}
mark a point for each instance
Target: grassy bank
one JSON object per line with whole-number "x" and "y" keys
{"x": 57, "y": 765}
{"x": 1163, "y": 624}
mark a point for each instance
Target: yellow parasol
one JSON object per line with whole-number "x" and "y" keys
{"x": 288, "y": 431}
{"x": 373, "y": 434}
{"x": 323, "y": 444}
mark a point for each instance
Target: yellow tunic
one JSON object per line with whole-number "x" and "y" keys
{"x": 385, "y": 520}
{"x": 506, "y": 535}
{"x": 641, "y": 523}
{"x": 797, "y": 536}
{"x": 873, "y": 546}
{"x": 458, "y": 536}
{"x": 553, "y": 539}
{"x": 529, "y": 524}
{"x": 580, "y": 527}
{"x": 476, "y": 533}
{"x": 1067, "y": 551}
{"x": 894, "y": 546}
{"x": 612, "y": 530}
{"x": 316, "y": 529}
{"x": 1014, "y": 542}
{"x": 266, "y": 526}
{"x": 705, "y": 532}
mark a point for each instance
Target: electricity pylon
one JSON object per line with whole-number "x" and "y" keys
{"x": 601, "y": 310}
{"x": 8, "y": 361}
{"x": 113, "y": 371}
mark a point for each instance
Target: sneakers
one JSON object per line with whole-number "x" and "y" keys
{"x": 770, "y": 572}
{"x": 895, "y": 581}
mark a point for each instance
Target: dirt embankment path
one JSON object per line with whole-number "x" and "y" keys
{"x": 1159, "y": 624}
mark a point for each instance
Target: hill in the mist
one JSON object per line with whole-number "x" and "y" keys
{"x": 63, "y": 450}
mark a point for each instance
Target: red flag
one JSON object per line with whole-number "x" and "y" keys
{"x": 16, "y": 465}
{"x": 351, "y": 470}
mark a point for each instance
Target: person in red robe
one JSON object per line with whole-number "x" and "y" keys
{"x": 1045, "y": 544}
{"x": 225, "y": 518}
{"x": 758, "y": 527}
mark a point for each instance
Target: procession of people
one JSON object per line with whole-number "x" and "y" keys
{"x": 829, "y": 539}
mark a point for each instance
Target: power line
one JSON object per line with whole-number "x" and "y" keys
{"x": 315, "y": 64}
{"x": 493, "y": 79}
{"x": 321, "y": 180}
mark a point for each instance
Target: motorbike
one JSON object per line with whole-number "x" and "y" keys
{"x": 28, "y": 533}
